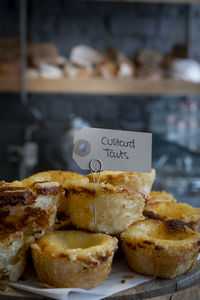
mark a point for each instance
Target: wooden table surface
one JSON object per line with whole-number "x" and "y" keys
{"x": 184, "y": 287}
{"x": 188, "y": 294}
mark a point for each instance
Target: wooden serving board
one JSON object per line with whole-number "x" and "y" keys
{"x": 150, "y": 289}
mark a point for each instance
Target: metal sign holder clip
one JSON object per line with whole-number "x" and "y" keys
{"x": 95, "y": 166}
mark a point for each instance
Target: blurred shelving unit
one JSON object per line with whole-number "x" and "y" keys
{"x": 117, "y": 86}
{"x": 131, "y": 86}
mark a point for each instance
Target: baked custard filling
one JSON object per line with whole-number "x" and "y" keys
{"x": 75, "y": 240}
{"x": 73, "y": 244}
{"x": 170, "y": 230}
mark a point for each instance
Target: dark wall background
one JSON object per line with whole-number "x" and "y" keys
{"x": 127, "y": 26}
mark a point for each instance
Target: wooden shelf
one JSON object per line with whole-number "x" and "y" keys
{"x": 10, "y": 84}
{"x": 101, "y": 86}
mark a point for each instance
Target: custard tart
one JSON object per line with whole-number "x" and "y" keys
{"x": 13, "y": 248}
{"x": 28, "y": 209}
{"x": 64, "y": 178}
{"x": 142, "y": 182}
{"x": 103, "y": 207}
{"x": 73, "y": 259}
{"x": 163, "y": 249}
{"x": 170, "y": 210}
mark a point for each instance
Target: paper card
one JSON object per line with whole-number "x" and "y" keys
{"x": 113, "y": 150}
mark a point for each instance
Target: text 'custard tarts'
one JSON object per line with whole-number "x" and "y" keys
{"x": 103, "y": 207}
{"x": 73, "y": 258}
{"x": 179, "y": 211}
{"x": 142, "y": 182}
{"x": 163, "y": 249}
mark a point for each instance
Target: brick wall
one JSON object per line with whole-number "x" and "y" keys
{"x": 127, "y": 26}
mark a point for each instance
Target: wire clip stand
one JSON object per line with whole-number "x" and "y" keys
{"x": 95, "y": 166}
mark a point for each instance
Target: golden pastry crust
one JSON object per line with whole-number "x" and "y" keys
{"x": 13, "y": 248}
{"x": 161, "y": 196}
{"x": 64, "y": 178}
{"x": 73, "y": 258}
{"x": 3, "y": 183}
{"x": 62, "y": 221}
{"x": 163, "y": 249}
{"x": 28, "y": 209}
{"x": 12, "y": 256}
{"x": 142, "y": 182}
{"x": 113, "y": 208}
{"x": 170, "y": 210}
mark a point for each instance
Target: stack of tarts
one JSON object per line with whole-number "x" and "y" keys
{"x": 73, "y": 226}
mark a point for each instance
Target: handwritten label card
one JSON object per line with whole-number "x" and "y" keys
{"x": 117, "y": 150}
